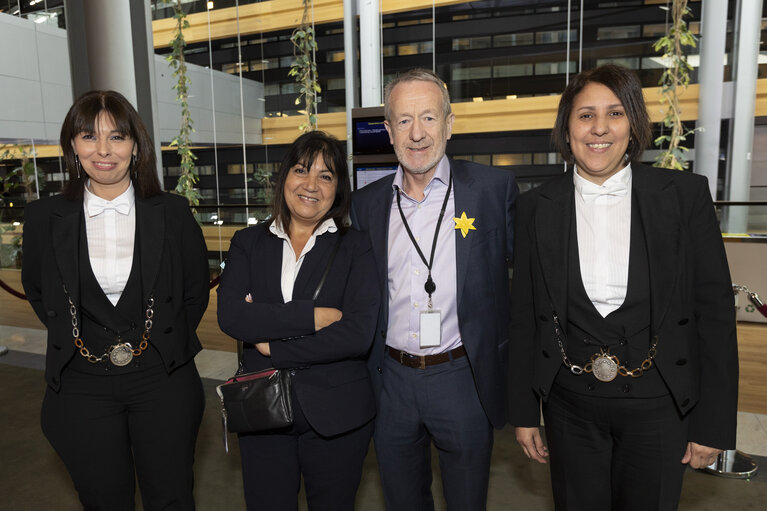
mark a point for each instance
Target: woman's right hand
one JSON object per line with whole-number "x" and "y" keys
{"x": 532, "y": 443}
{"x": 324, "y": 316}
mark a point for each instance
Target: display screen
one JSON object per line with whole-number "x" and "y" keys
{"x": 366, "y": 175}
{"x": 370, "y": 137}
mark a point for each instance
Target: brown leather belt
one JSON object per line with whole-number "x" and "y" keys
{"x": 423, "y": 361}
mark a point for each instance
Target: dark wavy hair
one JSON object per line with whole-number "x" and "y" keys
{"x": 304, "y": 150}
{"x": 83, "y": 116}
{"x": 626, "y": 86}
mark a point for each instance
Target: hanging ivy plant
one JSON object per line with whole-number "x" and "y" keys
{"x": 23, "y": 177}
{"x": 674, "y": 80}
{"x": 188, "y": 176}
{"x": 304, "y": 68}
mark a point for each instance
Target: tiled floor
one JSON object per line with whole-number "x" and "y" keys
{"x": 25, "y": 343}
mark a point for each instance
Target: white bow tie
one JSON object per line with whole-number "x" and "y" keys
{"x": 590, "y": 191}
{"x": 97, "y": 205}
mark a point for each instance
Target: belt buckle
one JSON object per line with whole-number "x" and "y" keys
{"x": 422, "y": 362}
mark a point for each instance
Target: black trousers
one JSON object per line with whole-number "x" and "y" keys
{"x": 112, "y": 430}
{"x": 273, "y": 463}
{"x": 614, "y": 454}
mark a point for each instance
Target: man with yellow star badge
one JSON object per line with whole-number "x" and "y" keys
{"x": 439, "y": 360}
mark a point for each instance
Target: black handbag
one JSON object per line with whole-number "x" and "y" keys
{"x": 255, "y": 402}
{"x": 261, "y": 401}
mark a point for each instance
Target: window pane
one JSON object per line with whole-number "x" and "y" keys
{"x": 521, "y": 39}
{"x": 627, "y": 32}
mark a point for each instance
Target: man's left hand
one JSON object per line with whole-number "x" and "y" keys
{"x": 263, "y": 348}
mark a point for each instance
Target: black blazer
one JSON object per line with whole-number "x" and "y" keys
{"x": 174, "y": 268}
{"x": 482, "y": 269}
{"x": 330, "y": 380}
{"x": 692, "y": 306}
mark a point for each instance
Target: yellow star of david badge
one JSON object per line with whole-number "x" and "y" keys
{"x": 465, "y": 224}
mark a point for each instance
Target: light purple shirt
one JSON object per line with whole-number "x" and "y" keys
{"x": 408, "y": 273}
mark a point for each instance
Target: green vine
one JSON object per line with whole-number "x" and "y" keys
{"x": 22, "y": 176}
{"x": 674, "y": 80}
{"x": 304, "y": 68}
{"x": 188, "y": 176}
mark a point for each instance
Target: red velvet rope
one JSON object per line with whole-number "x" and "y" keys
{"x": 753, "y": 297}
{"x": 12, "y": 291}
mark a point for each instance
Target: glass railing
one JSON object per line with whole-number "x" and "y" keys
{"x": 746, "y": 220}
{"x": 738, "y": 220}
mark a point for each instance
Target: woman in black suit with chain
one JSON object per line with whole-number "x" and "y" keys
{"x": 265, "y": 300}
{"x": 117, "y": 271}
{"x": 623, "y": 318}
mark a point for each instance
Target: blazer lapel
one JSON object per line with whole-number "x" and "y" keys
{"x": 658, "y": 209}
{"x": 313, "y": 266}
{"x": 552, "y": 220}
{"x": 466, "y": 198}
{"x": 378, "y": 221}
{"x": 150, "y": 225}
{"x": 269, "y": 266}
{"x": 65, "y": 230}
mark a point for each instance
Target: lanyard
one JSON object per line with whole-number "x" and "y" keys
{"x": 429, "y": 286}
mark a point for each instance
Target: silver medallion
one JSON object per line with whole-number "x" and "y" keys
{"x": 121, "y": 354}
{"x": 605, "y": 367}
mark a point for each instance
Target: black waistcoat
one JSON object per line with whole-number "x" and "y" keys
{"x": 101, "y": 323}
{"x": 625, "y": 331}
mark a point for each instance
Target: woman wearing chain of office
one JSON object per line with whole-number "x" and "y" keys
{"x": 622, "y": 311}
{"x": 117, "y": 271}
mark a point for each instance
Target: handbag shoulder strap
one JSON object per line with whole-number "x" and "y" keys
{"x": 327, "y": 268}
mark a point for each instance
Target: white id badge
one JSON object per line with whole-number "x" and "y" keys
{"x": 431, "y": 328}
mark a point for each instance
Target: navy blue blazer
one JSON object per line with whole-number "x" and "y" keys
{"x": 483, "y": 259}
{"x": 331, "y": 380}
{"x": 692, "y": 306}
{"x": 174, "y": 267}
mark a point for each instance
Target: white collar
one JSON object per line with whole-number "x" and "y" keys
{"x": 617, "y": 185}
{"x": 328, "y": 225}
{"x": 95, "y": 205}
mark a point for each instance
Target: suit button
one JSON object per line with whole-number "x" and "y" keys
{"x": 169, "y": 299}
{"x": 380, "y": 371}
{"x": 383, "y": 334}
{"x": 51, "y": 314}
{"x": 169, "y": 330}
{"x": 543, "y": 391}
{"x": 590, "y": 386}
{"x": 683, "y": 321}
{"x": 685, "y": 402}
{"x": 622, "y": 341}
{"x": 681, "y": 361}
{"x": 626, "y": 388}
{"x": 545, "y": 353}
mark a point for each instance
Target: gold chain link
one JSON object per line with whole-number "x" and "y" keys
{"x": 93, "y": 359}
{"x": 588, "y": 367}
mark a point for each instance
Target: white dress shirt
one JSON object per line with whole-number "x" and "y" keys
{"x": 291, "y": 264}
{"x": 110, "y": 227}
{"x": 408, "y": 273}
{"x": 603, "y": 220}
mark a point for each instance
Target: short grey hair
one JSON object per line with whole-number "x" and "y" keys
{"x": 417, "y": 75}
